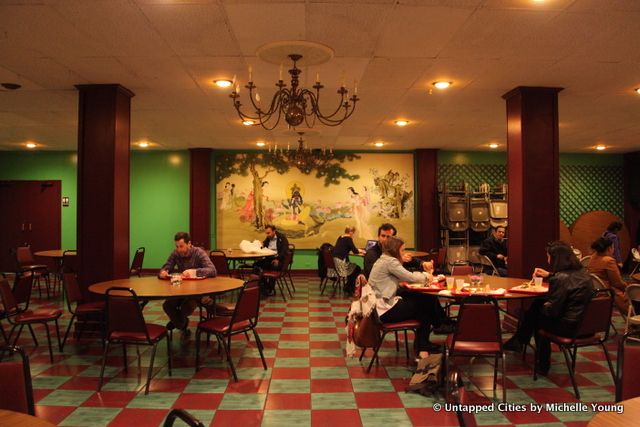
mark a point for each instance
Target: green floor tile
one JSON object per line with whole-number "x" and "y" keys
{"x": 243, "y": 401}
{"x": 66, "y": 398}
{"x": 327, "y": 352}
{"x": 293, "y": 344}
{"x": 254, "y": 352}
{"x": 269, "y": 337}
{"x": 396, "y": 371}
{"x": 203, "y": 415}
{"x": 157, "y": 400}
{"x": 46, "y": 382}
{"x": 94, "y": 371}
{"x": 593, "y": 394}
{"x": 291, "y": 362}
{"x": 297, "y": 310}
{"x": 124, "y": 384}
{"x": 206, "y": 386}
{"x": 333, "y": 401}
{"x": 371, "y": 385}
{"x": 384, "y": 417}
{"x": 491, "y": 418}
{"x": 600, "y": 378}
{"x": 324, "y": 337}
{"x": 278, "y": 418}
{"x": 329, "y": 373}
{"x": 415, "y": 400}
{"x": 527, "y": 381}
{"x": 253, "y": 373}
{"x": 290, "y": 386}
{"x": 90, "y": 417}
{"x": 295, "y": 331}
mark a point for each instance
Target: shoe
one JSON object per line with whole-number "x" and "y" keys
{"x": 444, "y": 329}
{"x": 513, "y": 344}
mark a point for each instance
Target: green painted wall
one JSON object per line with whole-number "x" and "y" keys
{"x": 34, "y": 165}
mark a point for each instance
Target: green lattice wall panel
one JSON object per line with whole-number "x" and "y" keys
{"x": 473, "y": 174}
{"x": 589, "y": 188}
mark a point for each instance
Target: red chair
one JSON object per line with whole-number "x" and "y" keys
{"x": 136, "y": 264}
{"x": 478, "y": 333}
{"x": 15, "y": 383}
{"x": 280, "y": 275}
{"x": 461, "y": 270}
{"x": 126, "y": 325}
{"x": 27, "y": 265}
{"x": 292, "y": 249}
{"x": 404, "y": 326}
{"x": 627, "y": 384}
{"x": 23, "y": 316}
{"x": 83, "y": 311}
{"x": 219, "y": 260}
{"x": 593, "y": 330}
{"x": 243, "y": 320}
{"x": 327, "y": 257}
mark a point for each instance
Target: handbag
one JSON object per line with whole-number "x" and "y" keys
{"x": 366, "y": 332}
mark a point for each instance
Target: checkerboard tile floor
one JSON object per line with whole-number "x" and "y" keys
{"x": 308, "y": 380}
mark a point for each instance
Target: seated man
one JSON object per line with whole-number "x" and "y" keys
{"x": 277, "y": 242}
{"x": 495, "y": 248}
{"x": 374, "y": 252}
{"x": 190, "y": 261}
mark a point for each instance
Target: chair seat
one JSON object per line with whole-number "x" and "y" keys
{"x": 90, "y": 307}
{"x": 225, "y": 308}
{"x": 221, "y": 325}
{"x": 587, "y": 340}
{"x": 34, "y": 267}
{"x": 405, "y": 324}
{"x": 156, "y": 332}
{"x": 473, "y": 347}
{"x": 38, "y": 315}
{"x": 273, "y": 274}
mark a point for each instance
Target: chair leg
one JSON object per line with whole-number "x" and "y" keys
{"x": 169, "y": 355}
{"x": 567, "y": 357}
{"x": 66, "y": 334}
{"x": 150, "y": 372}
{"x": 259, "y": 343}
{"x": 375, "y": 352}
{"x": 283, "y": 278}
{"x": 364, "y": 349}
{"x": 495, "y": 373}
{"x": 406, "y": 343}
{"x": 58, "y": 335}
{"x": 227, "y": 350}
{"x": 397, "y": 341}
{"x": 281, "y": 290}
{"x": 198, "y": 333}
{"x": 124, "y": 357}
{"x": 104, "y": 362}
{"x": 15, "y": 340}
{"x": 291, "y": 280}
{"x": 46, "y": 327}
{"x": 606, "y": 354}
{"x": 33, "y": 335}
{"x": 504, "y": 379}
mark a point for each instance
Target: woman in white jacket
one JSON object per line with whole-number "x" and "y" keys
{"x": 394, "y": 304}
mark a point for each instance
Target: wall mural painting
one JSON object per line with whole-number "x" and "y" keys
{"x": 313, "y": 203}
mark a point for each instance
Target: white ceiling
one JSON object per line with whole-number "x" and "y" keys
{"x": 169, "y": 51}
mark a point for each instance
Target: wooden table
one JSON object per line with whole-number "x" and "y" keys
{"x": 415, "y": 254}
{"x": 152, "y": 288}
{"x": 235, "y": 255}
{"x": 18, "y": 419}
{"x": 52, "y": 253}
{"x": 629, "y": 417}
{"x": 495, "y": 282}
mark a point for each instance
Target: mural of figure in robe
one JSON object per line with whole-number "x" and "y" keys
{"x": 360, "y": 212}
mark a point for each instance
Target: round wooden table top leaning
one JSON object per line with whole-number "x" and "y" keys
{"x": 494, "y": 282}
{"x": 15, "y": 419}
{"x": 52, "y": 253}
{"x": 629, "y": 417}
{"x": 150, "y": 288}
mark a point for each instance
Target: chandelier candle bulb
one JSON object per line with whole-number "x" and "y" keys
{"x": 233, "y": 81}
{"x": 288, "y": 147}
{"x": 250, "y": 73}
{"x": 317, "y": 77}
{"x": 355, "y": 87}
{"x": 281, "y": 69}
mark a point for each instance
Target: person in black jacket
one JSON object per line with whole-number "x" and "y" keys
{"x": 560, "y": 312}
{"x": 373, "y": 253}
{"x": 344, "y": 245}
{"x": 495, "y": 248}
{"x": 277, "y": 242}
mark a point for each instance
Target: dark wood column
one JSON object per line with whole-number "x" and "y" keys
{"x": 427, "y": 220}
{"x": 104, "y": 117}
{"x": 533, "y": 175}
{"x": 632, "y": 195}
{"x": 200, "y": 196}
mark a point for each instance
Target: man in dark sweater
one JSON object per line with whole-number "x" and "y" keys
{"x": 189, "y": 261}
{"x": 277, "y": 242}
{"x": 375, "y": 252}
{"x": 495, "y": 248}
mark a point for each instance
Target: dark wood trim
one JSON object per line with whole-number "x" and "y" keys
{"x": 631, "y": 172}
{"x": 200, "y": 195}
{"x": 427, "y": 215}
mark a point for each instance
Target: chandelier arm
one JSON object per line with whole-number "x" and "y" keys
{"x": 315, "y": 107}
{"x": 265, "y": 122}
{"x": 349, "y": 109}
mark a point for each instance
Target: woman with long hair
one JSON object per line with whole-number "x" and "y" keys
{"x": 603, "y": 265}
{"x": 561, "y": 310}
{"x": 344, "y": 245}
{"x": 394, "y": 304}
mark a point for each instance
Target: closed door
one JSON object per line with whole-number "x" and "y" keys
{"x": 30, "y": 216}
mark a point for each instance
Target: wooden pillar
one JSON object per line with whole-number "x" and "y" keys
{"x": 104, "y": 117}
{"x": 200, "y": 196}
{"x": 427, "y": 221}
{"x": 632, "y": 195}
{"x": 533, "y": 175}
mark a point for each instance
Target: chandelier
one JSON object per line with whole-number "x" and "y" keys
{"x": 303, "y": 157}
{"x": 295, "y": 103}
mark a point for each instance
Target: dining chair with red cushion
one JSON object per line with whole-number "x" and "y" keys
{"x": 126, "y": 325}
{"x": 332, "y": 272}
{"x": 219, "y": 260}
{"x": 478, "y": 333}
{"x": 19, "y": 317}
{"x": 243, "y": 320}
{"x": 136, "y": 263}
{"x": 461, "y": 270}
{"x": 593, "y": 330}
{"x": 404, "y": 326}
{"x": 27, "y": 265}
{"x": 15, "y": 382}
{"x": 85, "y": 312}
{"x": 280, "y": 275}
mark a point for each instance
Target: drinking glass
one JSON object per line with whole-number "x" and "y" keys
{"x": 176, "y": 279}
{"x": 537, "y": 281}
{"x": 450, "y": 281}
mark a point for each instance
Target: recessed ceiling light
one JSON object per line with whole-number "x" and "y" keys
{"x": 143, "y": 144}
{"x": 248, "y": 122}
{"x": 223, "y": 83}
{"x": 401, "y": 122}
{"x": 637, "y": 90}
{"x": 600, "y": 147}
{"x": 442, "y": 85}
{"x": 493, "y": 145}
{"x": 260, "y": 144}
{"x": 31, "y": 145}
{"x": 379, "y": 144}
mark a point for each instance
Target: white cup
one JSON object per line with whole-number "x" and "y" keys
{"x": 450, "y": 281}
{"x": 537, "y": 281}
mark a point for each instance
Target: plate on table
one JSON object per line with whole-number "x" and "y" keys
{"x": 529, "y": 289}
{"x": 466, "y": 291}
{"x": 434, "y": 287}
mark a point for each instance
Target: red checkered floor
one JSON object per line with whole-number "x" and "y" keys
{"x": 308, "y": 381}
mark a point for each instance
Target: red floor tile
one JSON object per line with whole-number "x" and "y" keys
{"x": 288, "y": 401}
{"x": 242, "y": 418}
{"x": 198, "y": 401}
{"x": 335, "y": 417}
{"x": 139, "y": 417}
{"x": 63, "y": 370}
{"x": 530, "y": 417}
{"x": 290, "y": 373}
{"x": 331, "y": 386}
{"x": 110, "y": 399}
{"x": 326, "y": 344}
{"x": 54, "y": 414}
{"x": 168, "y": 385}
{"x": 426, "y": 417}
{"x": 248, "y": 386}
{"x": 550, "y": 395}
{"x": 327, "y": 361}
{"x": 294, "y": 337}
{"x": 81, "y": 383}
{"x": 361, "y": 371}
{"x": 254, "y": 362}
{"x": 293, "y": 352}
{"x": 378, "y": 400}
{"x": 39, "y": 393}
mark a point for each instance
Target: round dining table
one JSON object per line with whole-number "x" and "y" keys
{"x": 629, "y": 416}
{"x": 494, "y": 283}
{"x": 153, "y": 288}
{"x": 19, "y": 419}
{"x": 237, "y": 255}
